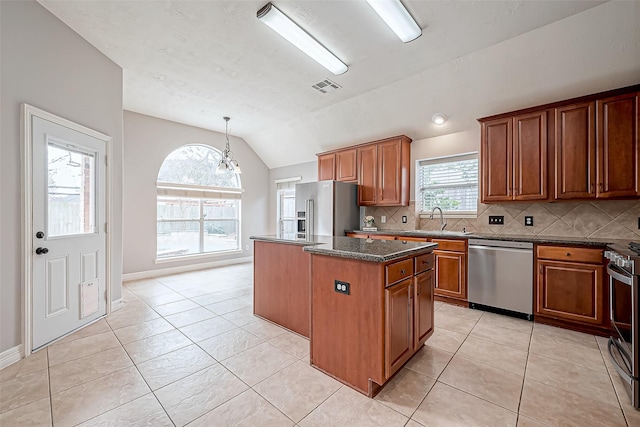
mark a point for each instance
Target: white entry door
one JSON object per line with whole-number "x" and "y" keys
{"x": 68, "y": 224}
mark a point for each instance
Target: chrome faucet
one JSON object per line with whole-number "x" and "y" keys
{"x": 442, "y": 223}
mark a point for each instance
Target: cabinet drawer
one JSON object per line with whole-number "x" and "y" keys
{"x": 450, "y": 245}
{"x": 424, "y": 262}
{"x": 568, "y": 253}
{"x": 399, "y": 270}
{"x": 357, "y": 235}
{"x": 412, "y": 239}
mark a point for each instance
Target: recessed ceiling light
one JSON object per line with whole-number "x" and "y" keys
{"x": 439, "y": 119}
{"x": 398, "y": 18}
{"x": 283, "y": 25}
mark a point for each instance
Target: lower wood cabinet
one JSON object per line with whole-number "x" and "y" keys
{"x": 409, "y": 318}
{"x": 451, "y": 270}
{"x": 569, "y": 288}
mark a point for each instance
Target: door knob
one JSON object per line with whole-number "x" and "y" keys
{"x": 42, "y": 251}
{"x": 39, "y": 235}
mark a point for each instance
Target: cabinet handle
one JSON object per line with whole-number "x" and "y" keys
{"x": 568, "y": 253}
{"x": 540, "y": 268}
{"x": 592, "y": 187}
{"x": 600, "y": 187}
{"x": 401, "y": 271}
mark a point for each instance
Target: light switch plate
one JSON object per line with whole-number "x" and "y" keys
{"x": 383, "y": 219}
{"x": 496, "y": 220}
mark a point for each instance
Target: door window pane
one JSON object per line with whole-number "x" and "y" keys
{"x": 71, "y": 192}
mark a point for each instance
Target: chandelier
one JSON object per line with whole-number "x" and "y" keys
{"x": 227, "y": 163}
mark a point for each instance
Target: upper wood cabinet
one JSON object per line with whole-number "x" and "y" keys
{"x": 618, "y": 144}
{"x": 347, "y": 165}
{"x": 381, "y": 168}
{"x": 575, "y": 151}
{"x": 383, "y": 172}
{"x": 326, "y": 166}
{"x": 513, "y": 156}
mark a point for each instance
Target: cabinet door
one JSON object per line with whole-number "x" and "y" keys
{"x": 423, "y": 308}
{"x": 618, "y": 146}
{"x": 530, "y": 156}
{"x": 496, "y": 160}
{"x": 389, "y": 173}
{"x": 451, "y": 277}
{"x": 575, "y": 151}
{"x": 346, "y": 165}
{"x": 570, "y": 291}
{"x": 399, "y": 325}
{"x": 326, "y": 166}
{"x": 367, "y": 175}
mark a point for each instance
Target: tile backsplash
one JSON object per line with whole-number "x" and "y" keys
{"x": 609, "y": 219}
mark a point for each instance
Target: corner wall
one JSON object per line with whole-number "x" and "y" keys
{"x": 47, "y": 65}
{"x": 148, "y": 141}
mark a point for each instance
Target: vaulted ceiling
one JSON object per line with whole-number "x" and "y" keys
{"x": 196, "y": 61}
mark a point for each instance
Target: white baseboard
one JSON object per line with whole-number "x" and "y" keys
{"x": 183, "y": 268}
{"x": 117, "y": 305}
{"x": 11, "y": 356}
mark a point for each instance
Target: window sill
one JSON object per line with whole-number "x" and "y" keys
{"x": 196, "y": 256}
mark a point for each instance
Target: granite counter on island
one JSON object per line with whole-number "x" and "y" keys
{"x": 369, "y": 304}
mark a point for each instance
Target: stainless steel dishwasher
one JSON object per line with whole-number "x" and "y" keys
{"x": 501, "y": 276}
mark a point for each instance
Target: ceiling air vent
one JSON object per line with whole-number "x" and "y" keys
{"x": 326, "y": 86}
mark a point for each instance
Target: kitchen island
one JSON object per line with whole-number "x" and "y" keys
{"x": 370, "y": 301}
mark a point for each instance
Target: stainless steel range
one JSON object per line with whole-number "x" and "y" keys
{"x": 624, "y": 305}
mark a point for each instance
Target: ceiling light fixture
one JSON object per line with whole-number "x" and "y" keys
{"x": 226, "y": 163}
{"x": 396, "y": 16}
{"x": 283, "y": 25}
{"x": 439, "y": 119}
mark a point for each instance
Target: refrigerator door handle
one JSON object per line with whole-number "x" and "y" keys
{"x": 309, "y": 219}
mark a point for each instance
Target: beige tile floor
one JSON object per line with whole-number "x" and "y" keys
{"x": 187, "y": 350}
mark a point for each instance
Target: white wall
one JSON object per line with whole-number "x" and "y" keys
{"x": 148, "y": 141}
{"x": 47, "y": 65}
{"x": 309, "y": 173}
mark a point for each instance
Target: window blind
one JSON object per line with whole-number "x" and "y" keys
{"x": 450, "y": 183}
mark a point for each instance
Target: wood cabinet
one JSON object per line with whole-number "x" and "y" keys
{"x": 592, "y": 144}
{"x": 281, "y": 285}
{"x": 347, "y": 165}
{"x": 326, "y": 166}
{"x": 364, "y": 337}
{"x": 569, "y": 288}
{"x": 618, "y": 145}
{"x": 381, "y": 168}
{"x": 513, "y": 155}
{"x": 364, "y": 235}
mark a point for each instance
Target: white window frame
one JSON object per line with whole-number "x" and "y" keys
{"x": 420, "y": 190}
{"x": 284, "y": 184}
{"x": 201, "y": 193}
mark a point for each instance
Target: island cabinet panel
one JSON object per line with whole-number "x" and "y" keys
{"x": 326, "y": 166}
{"x": 347, "y": 331}
{"x": 399, "y": 325}
{"x": 281, "y": 289}
{"x": 423, "y": 297}
{"x": 618, "y": 145}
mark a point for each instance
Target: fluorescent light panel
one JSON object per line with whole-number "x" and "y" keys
{"x": 397, "y": 18}
{"x": 281, "y": 24}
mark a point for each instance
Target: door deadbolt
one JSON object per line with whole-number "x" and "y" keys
{"x": 39, "y": 235}
{"x": 42, "y": 251}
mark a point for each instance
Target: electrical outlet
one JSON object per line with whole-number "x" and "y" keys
{"x": 404, "y": 219}
{"x": 341, "y": 287}
{"x": 246, "y": 248}
{"x": 496, "y": 220}
{"x": 383, "y": 219}
{"x": 528, "y": 221}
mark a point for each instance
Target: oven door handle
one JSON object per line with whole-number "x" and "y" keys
{"x": 620, "y": 277}
{"x": 623, "y": 354}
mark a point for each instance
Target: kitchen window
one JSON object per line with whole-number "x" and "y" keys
{"x": 198, "y": 211}
{"x": 286, "y": 204}
{"x": 450, "y": 183}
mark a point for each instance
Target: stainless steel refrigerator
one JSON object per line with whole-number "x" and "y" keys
{"x": 326, "y": 208}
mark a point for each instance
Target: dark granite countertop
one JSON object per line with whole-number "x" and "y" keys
{"x": 558, "y": 240}
{"x": 347, "y": 247}
{"x": 369, "y": 249}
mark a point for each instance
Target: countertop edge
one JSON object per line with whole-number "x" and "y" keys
{"x": 427, "y": 247}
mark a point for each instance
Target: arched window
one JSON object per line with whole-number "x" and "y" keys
{"x": 198, "y": 210}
